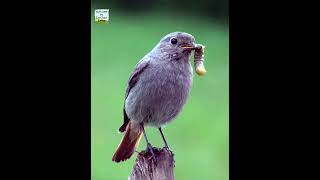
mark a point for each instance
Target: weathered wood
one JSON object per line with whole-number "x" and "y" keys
{"x": 146, "y": 169}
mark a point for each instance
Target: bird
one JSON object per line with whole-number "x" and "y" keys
{"x": 157, "y": 91}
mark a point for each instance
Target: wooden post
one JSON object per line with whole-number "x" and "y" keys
{"x": 146, "y": 169}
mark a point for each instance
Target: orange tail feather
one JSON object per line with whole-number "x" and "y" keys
{"x": 128, "y": 144}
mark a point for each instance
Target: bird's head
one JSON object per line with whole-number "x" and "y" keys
{"x": 176, "y": 44}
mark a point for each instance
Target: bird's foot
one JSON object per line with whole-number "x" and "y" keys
{"x": 150, "y": 149}
{"x": 168, "y": 149}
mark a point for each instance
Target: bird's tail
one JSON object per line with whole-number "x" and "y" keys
{"x": 129, "y": 143}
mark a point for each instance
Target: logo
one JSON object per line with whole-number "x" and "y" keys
{"x": 101, "y": 15}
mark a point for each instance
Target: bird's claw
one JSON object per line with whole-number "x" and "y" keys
{"x": 150, "y": 148}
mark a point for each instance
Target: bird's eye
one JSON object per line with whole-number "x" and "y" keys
{"x": 173, "y": 40}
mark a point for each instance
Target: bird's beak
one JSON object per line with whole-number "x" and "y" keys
{"x": 188, "y": 46}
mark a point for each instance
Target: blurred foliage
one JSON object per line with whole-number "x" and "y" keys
{"x": 218, "y": 9}
{"x": 199, "y": 135}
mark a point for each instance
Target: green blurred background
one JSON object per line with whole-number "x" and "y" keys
{"x": 199, "y": 136}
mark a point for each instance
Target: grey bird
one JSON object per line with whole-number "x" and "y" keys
{"x": 157, "y": 91}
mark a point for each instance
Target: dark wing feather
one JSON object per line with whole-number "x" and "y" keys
{"x": 140, "y": 67}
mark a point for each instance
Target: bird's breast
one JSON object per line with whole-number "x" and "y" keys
{"x": 164, "y": 91}
{"x": 160, "y": 93}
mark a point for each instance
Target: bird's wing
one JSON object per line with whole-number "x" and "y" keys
{"x": 140, "y": 67}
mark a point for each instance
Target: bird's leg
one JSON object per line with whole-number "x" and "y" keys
{"x": 149, "y": 146}
{"x": 164, "y": 140}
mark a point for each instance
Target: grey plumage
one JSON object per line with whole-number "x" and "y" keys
{"x": 157, "y": 90}
{"x": 160, "y": 84}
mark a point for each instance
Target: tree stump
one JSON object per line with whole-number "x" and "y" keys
{"x": 146, "y": 169}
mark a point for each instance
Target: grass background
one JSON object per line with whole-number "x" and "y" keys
{"x": 199, "y": 136}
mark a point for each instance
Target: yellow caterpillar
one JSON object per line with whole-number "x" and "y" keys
{"x": 198, "y": 59}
